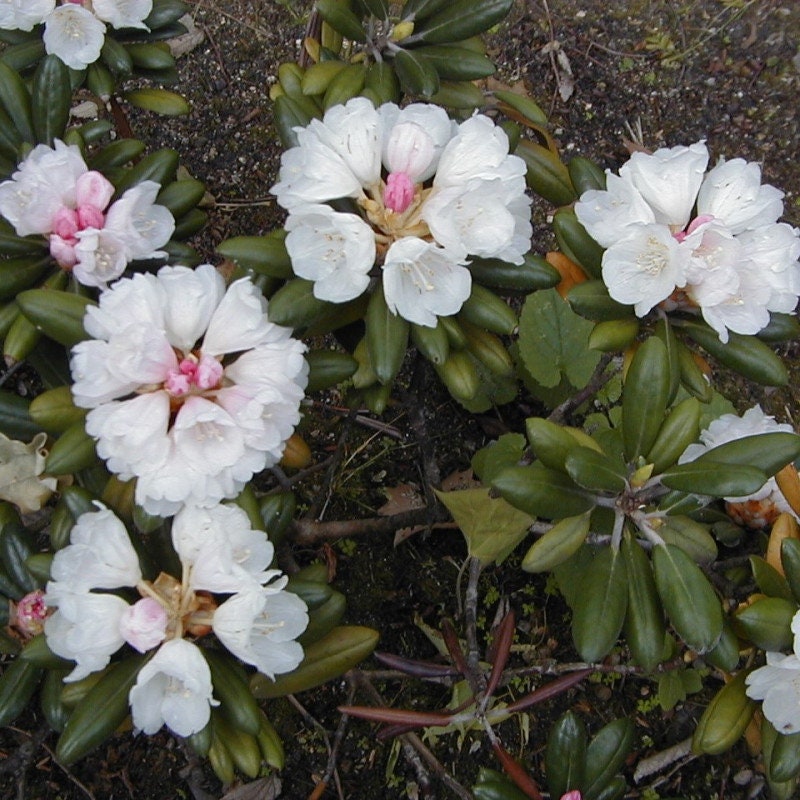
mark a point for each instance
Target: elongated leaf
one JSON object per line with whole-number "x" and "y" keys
{"x": 725, "y": 718}
{"x": 417, "y": 74}
{"x": 599, "y": 608}
{"x": 100, "y": 712}
{"x": 714, "y": 479}
{"x": 595, "y": 471}
{"x": 546, "y": 173}
{"x": 265, "y": 254}
{"x": 768, "y": 452}
{"x": 553, "y": 341}
{"x": 744, "y": 354}
{"x": 52, "y": 95}
{"x": 644, "y": 620}
{"x": 542, "y": 492}
{"x": 591, "y": 300}
{"x": 16, "y": 100}
{"x": 565, "y": 757}
{"x": 691, "y": 604}
{"x": 461, "y": 20}
{"x": 558, "y": 544}
{"x": 324, "y": 660}
{"x": 645, "y": 397}
{"x": 58, "y": 315}
{"x": 605, "y": 755}
{"x": 767, "y": 623}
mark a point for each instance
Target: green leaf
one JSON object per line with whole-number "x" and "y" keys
{"x": 16, "y": 100}
{"x": 768, "y": 452}
{"x": 101, "y": 711}
{"x": 714, "y": 479}
{"x": 744, "y": 354}
{"x": 605, "y": 756}
{"x": 691, "y": 604}
{"x": 558, "y": 544}
{"x": 644, "y": 397}
{"x": 52, "y": 96}
{"x": 725, "y": 718}
{"x": 565, "y": 757}
{"x": 57, "y": 314}
{"x": 456, "y": 63}
{"x": 460, "y": 20}
{"x": 497, "y": 455}
{"x": 677, "y": 432}
{"x": 767, "y": 623}
{"x": 324, "y": 660}
{"x": 417, "y": 74}
{"x": 542, "y": 492}
{"x": 600, "y": 608}
{"x": 546, "y": 173}
{"x": 692, "y": 537}
{"x": 264, "y": 254}
{"x": 592, "y": 301}
{"x": 491, "y": 526}
{"x": 595, "y": 471}
{"x": 553, "y": 341}
{"x": 644, "y": 620}
{"x": 769, "y": 580}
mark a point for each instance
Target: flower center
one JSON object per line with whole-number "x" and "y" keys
{"x": 31, "y": 612}
{"x": 194, "y": 375}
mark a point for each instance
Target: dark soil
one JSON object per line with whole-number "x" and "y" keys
{"x": 727, "y": 71}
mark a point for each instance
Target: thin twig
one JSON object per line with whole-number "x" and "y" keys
{"x": 599, "y": 379}
{"x": 308, "y": 531}
{"x": 475, "y": 676}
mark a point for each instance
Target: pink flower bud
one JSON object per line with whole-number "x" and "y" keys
{"x": 65, "y": 223}
{"x": 90, "y": 217}
{"x": 410, "y": 149}
{"x": 93, "y": 189}
{"x": 144, "y": 624}
{"x": 31, "y": 613}
{"x": 63, "y": 251}
{"x": 209, "y": 372}
{"x": 399, "y": 192}
{"x": 574, "y": 795}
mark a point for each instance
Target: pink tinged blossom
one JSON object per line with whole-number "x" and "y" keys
{"x": 93, "y": 190}
{"x": 668, "y": 180}
{"x": 174, "y": 689}
{"x": 144, "y": 624}
{"x": 193, "y": 374}
{"x": 409, "y": 150}
{"x": 31, "y": 613}
{"x": 574, "y": 795}
{"x": 260, "y": 626}
{"x": 399, "y": 192}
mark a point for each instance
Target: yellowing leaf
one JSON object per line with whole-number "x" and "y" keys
{"x": 20, "y": 467}
{"x": 491, "y": 526}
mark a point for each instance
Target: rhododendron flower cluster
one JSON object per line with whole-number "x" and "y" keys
{"x": 192, "y": 389}
{"x": 778, "y": 685}
{"x": 426, "y": 194}
{"x": 74, "y": 30}
{"x": 760, "y": 509}
{"x": 55, "y": 194}
{"x": 220, "y": 554}
{"x": 686, "y": 238}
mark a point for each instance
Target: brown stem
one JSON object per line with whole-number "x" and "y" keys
{"x": 599, "y": 379}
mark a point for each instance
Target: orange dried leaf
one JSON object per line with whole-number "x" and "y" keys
{"x": 571, "y": 273}
{"x": 785, "y": 527}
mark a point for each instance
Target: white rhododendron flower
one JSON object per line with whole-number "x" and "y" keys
{"x": 192, "y": 389}
{"x": 760, "y": 509}
{"x": 778, "y": 686}
{"x": 260, "y": 626}
{"x": 54, "y": 193}
{"x": 74, "y": 30}
{"x": 219, "y": 553}
{"x": 173, "y": 689}
{"x": 689, "y": 239}
{"x": 427, "y": 193}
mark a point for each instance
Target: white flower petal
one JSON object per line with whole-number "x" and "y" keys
{"x": 668, "y": 180}
{"x": 123, "y": 13}
{"x": 645, "y": 268}
{"x": 422, "y": 281}
{"x": 259, "y": 627}
{"x": 732, "y": 192}
{"x": 333, "y": 249}
{"x": 139, "y": 222}
{"x": 174, "y": 689}
{"x": 75, "y": 35}
{"x": 22, "y": 15}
